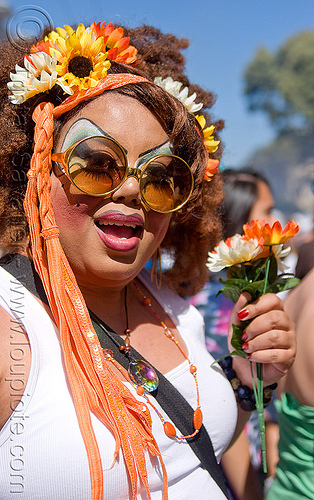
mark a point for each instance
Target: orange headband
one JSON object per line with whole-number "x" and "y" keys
{"x": 110, "y": 82}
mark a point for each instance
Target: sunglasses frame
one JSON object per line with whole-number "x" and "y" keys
{"x": 62, "y": 158}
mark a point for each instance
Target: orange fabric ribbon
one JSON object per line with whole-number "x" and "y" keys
{"x": 95, "y": 388}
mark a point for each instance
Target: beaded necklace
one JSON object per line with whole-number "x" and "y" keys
{"x": 143, "y": 376}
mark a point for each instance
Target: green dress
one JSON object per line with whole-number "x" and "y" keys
{"x": 295, "y": 470}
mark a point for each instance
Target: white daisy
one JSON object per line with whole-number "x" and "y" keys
{"x": 233, "y": 251}
{"x": 174, "y": 88}
{"x": 40, "y": 61}
{"x": 280, "y": 253}
{"x": 25, "y": 82}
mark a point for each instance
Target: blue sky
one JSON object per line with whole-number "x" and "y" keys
{"x": 224, "y": 37}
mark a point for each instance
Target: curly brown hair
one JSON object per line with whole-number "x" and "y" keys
{"x": 194, "y": 229}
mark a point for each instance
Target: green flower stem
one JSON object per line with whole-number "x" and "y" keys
{"x": 267, "y": 271}
{"x": 245, "y": 273}
{"x": 258, "y": 387}
{"x": 258, "y": 393}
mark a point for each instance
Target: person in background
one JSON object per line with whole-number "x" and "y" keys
{"x": 294, "y": 477}
{"x": 305, "y": 259}
{"x": 247, "y": 196}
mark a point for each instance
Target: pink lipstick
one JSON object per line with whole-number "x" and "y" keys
{"x": 119, "y": 231}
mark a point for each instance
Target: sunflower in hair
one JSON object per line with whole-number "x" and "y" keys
{"x": 82, "y": 56}
{"x": 80, "y": 60}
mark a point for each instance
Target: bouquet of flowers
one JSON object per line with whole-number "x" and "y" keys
{"x": 254, "y": 265}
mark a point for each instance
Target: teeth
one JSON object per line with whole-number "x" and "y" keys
{"x": 120, "y": 224}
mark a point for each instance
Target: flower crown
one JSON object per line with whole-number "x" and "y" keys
{"x": 74, "y": 60}
{"x": 175, "y": 89}
{"x": 77, "y": 60}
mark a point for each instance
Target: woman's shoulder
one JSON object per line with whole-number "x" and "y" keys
{"x": 300, "y": 295}
{"x": 15, "y": 355}
{"x": 299, "y": 305}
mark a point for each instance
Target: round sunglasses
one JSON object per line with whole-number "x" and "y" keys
{"x": 98, "y": 166}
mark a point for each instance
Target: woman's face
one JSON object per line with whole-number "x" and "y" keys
{"x": 264, "y": 205}
{"x": 109, "y": 240}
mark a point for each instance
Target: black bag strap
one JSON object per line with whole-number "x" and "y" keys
{"x": 172, "y": 402}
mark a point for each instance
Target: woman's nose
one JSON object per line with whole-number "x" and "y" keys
{"x": 128, "y": 192}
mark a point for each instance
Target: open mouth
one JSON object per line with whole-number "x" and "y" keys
{"x": 118, "y": 231}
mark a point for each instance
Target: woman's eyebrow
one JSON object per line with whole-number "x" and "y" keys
{"x": 110, "y": 137}
{"x": 154, "y": 149}
{"x": 77, "y": 124}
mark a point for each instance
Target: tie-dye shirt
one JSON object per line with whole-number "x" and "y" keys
{"x": 216, "y": 312}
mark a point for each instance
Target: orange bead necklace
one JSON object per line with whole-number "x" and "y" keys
{"x": 142, "y": 388}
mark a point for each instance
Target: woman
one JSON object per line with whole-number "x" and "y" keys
{"x": 94, "y": 222}
{"x": 247, "y": 196}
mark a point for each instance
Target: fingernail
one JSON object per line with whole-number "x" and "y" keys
{"x": 245, "y": 346}
{"x": 243, "y": 314}
{"x": 244, "y": 337}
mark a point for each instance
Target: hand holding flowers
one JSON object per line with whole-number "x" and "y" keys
{"x": 261, "y": 330}
{"x": 268, "y": 337}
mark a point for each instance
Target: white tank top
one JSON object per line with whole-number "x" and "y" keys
{"x": 42, "y": 454}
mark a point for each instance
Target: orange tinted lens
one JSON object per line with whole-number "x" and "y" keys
{"x": 166, "y": 183}
{"x": 97, "y": 165}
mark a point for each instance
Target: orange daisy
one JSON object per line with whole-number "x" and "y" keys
{"x": 116, "y": 45}
{"x": 270, "y": 235}
{"x": 211, "y": 169}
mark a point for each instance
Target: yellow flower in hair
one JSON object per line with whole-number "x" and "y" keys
{"x": 81, "y": 62}
{"x": 73, "y": 59}
{"x": 210, "y": 144}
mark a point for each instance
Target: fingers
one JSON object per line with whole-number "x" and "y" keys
{"x": 239, "y": 306}
{"x": 269, "y": 334}
{"x": 274, "y": 339}
{"x": 282, "y": 359}
{"x": 270, "y": 323}
{"x": 263, "y": 304}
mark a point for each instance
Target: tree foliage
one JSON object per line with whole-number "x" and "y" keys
{"x": 281, "y": 83}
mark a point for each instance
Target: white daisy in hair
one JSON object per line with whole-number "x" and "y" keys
{"x": 40, "y": 61}
{"x": 25, "y": 82}
{"x": 174, "y": 88}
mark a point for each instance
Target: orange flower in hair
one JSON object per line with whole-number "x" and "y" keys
{"x": 118, "y": 45}
{"x": 211, "y": 169}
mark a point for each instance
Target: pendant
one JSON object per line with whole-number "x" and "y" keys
{"x": 143, "y": 374}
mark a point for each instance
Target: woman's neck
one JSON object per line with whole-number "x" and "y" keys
{"x": 109, "y": 304}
